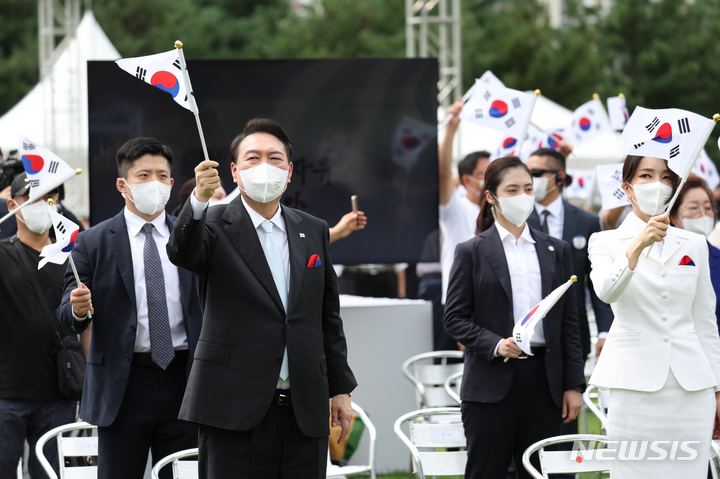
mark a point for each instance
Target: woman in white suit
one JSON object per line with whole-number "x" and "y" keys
{"x": 661, "y": 359}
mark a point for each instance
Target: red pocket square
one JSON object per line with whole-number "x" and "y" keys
{"x": 687, "y": 261}
{"x": 314, "y": 261}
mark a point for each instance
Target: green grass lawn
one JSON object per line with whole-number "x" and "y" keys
{"x": 593, "y": 428}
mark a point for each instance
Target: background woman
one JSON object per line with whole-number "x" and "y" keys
{"x": 496, "y": 279}
{"x": 661, "y": 359}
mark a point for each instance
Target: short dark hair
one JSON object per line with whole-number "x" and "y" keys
{"x": 557, "y": 162}
{"x": 137, "y": 147}
{"x": 494, "y": 175}
{"x": 468, "y": 164}
{"x": 261, "y": 125}
{"x": 631, "y": 165}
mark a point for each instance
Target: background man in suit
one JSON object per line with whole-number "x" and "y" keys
{"x": 272, "y": 349}
{"x": 146, "y": 320}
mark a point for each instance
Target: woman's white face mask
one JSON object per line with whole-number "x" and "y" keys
{"x": 516, "y": 209}
{"x": 35, "y": 216}
{"x": 652, "y": 198}
{"x": 702, "y": 226}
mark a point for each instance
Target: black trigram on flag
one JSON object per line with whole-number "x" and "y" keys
{"x": 28, "y": 146}
{"x": 619, "y": 193}
{"x": 516, "y": 103}
{"x": 487, "y": 95}
{"x": 638, "y": 145}
{"x": 518, "y": 337}
{"x": 591, "y": 111}
{"x": 35, "y": 183}
{"x": 617, "y": 176}
{"x": 140, "y": 73}
{"x": 60, "y": 227}
{"x": 176, "y": 64}
{"x": 684, "y": 125}
{"x": 652, "y": 125}
{"x": 478, "y": 113}
{"x": 53, "y": 167}
{"x": 675, "y": 151}
{"x": 510, "y": 122}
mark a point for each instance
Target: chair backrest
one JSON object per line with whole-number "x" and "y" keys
{"x": 80, "y": 446}
{"x": 452, "y": 386}
{"x": 346, "y": 471}
{"x": 429, "y": 378}
{"x": 715, "y": 459}
{"x": 590, "y": 396}
{"x": 181, "y": 469}
{"x": 567, "y": 462}
{"x": 428, "y": 441}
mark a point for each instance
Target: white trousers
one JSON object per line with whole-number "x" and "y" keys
{"x": 683, "y": 419}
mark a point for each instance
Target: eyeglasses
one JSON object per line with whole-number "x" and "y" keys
{"x": 538, "y": 172}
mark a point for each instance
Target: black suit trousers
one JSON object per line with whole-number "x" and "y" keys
{"x": 274, "y": 449}
{"x": 498, "y": 432}
{"x": 147, "y": 420}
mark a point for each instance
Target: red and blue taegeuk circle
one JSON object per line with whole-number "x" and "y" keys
{"x": 410, "y": 142}
{"x": 166, "y": 81}
{"x": 554, "y": 144}
{"x": 498, "y": 109}
{"x": 509, "y": 142}
{"x": 71, "y": 245}
{"x": 585, "y": 123}
{"x": 32, "y": 163}
{"x": 664, "y": 133}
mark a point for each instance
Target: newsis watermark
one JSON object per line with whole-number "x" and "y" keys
{"x": 635, "y": 451}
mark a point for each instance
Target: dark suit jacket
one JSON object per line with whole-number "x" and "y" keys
{"x": 580, "y": 223}
{"x": 104, "y": 263}
{"x": 479, "y": 313}
{"x": 245, "y": 328}
{"x": 9, "y": 226}
{"x": 714, "y": 260}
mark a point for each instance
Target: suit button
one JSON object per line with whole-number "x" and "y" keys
{"x": 663, "y": 274}
{"x": 133, "y": 327}
{"x": 287, "y": 324}
{"x": 663, "y": 317}
{"x": 664, "y": 295}
{"x": 128, "y": 357}
{"x": 666, "y": 339}
{"x": 279, "y": 359}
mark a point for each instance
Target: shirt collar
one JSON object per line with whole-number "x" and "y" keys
{"x": 554, "y": 208}
{"x": 135, "y": 223}
{"x": 257, "y": 218}
{"x": 525, "y": 235}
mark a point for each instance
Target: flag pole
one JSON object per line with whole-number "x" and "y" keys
{"x": 465, "y": 98}
{"x": 42, "y": 192}
{"x": 690, "y": 165}
{"x": 191, "y": 96}
{"x": 524, "y": 132}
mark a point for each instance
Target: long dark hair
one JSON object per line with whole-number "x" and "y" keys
{"x": 494, "y": 175}
{"x": 632, "y": 164}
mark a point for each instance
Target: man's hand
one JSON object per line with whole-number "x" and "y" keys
{"x": 598, "y": 347}
{"x": 509, "y": 348}
{"x": 572, "y": 402}
{"x": 565, "y": 148}
{"x": 342, "y": 414}
{"x": 347, "y": 224}
{"x": 455, "y": 110}
{"x": 81, "y": 300}
{"x": 207, "y": 180}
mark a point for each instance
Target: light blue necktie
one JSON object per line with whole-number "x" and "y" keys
{"x": 272, "y": 254}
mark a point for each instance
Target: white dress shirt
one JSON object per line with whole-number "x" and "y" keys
{"x": 280, "y": 232}
{"x": 555, "y": 219}
{"x": 458, "y": 223}
{"x": 525, "y": 278}
{"x": 161, "y": 234}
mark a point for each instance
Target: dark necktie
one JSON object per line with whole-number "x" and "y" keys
{"x": 544, "y": 222}
{"x": 161, "y": 347}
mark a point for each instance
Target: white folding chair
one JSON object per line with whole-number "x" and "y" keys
{"x": 346, "y": 471}
{"x": 562, "y": 462}
{"x": 69, "y": 447}
{"x": 429, "y": 378}
{"x": 452, "y": 386}
{"x": 428, "y": 441}
{"x": 181, "y": 469}
{"x": 715, "y": 459}
{"x": 592, "y": 394}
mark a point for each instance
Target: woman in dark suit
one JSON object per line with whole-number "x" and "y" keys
{"x": 511, "y": 400}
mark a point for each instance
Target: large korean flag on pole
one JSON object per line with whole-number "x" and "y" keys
{"x": 589, "y": 121}
{"x": 163, "y": 71}
{"x": 45, "y": 170}
{"x": 672, "y": 134}
{"x": 505, "y": 110}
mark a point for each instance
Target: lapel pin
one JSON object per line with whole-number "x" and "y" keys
{"x": 302, "y": 235}
{"x": 551, "y": 248}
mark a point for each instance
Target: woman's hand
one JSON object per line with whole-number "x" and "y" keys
{"x": 509, "y": 349}
{"x": 654, "y": 232}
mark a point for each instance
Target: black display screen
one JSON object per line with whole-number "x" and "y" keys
{"x": 364, "y": 127}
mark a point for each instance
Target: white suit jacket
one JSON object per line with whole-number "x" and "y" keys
{"x": 664, "y": 311}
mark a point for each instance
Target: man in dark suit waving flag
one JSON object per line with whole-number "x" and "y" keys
{"x": 272, "y": 349}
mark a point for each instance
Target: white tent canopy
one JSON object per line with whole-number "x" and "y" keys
{"x": 55, "y": 112}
